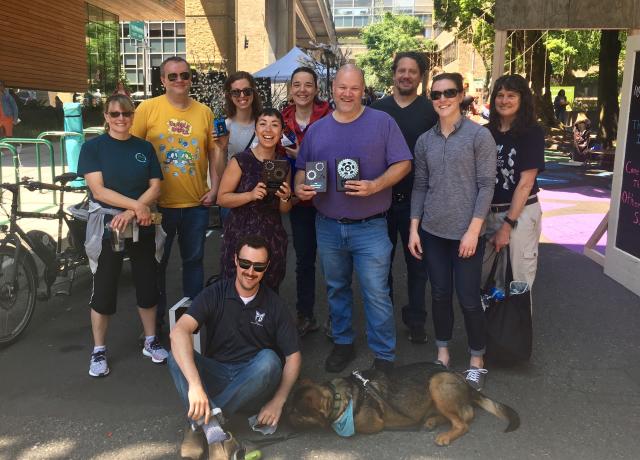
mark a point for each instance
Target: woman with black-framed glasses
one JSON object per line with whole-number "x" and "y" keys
{"x": 454, "y": 165}
{"x": 123, "y": 175}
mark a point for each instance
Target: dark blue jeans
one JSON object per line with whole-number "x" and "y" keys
{"x": 303, "y": 228}
{"x": 445, "y": 268}
{"x": 414, "y": 314}
{"x": 245, "y": 386}
{"x": 190, "y": 224}
{"x": 363, "y": 248}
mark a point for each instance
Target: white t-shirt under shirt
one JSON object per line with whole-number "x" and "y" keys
{"x": 239, "y": 137}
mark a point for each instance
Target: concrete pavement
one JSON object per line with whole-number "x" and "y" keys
{"x": 578, "y": 398}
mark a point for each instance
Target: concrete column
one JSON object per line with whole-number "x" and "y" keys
{"x": 499, "y": 49}
{"x": 286, "y": 27}
{"x": 252, "y": 40}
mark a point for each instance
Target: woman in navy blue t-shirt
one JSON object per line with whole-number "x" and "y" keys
{"x": 123, "y": 175}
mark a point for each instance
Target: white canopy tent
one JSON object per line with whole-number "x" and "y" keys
{"x": 281, "y": 70}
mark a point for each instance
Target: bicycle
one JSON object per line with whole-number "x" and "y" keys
{"x": 19, "y": 249}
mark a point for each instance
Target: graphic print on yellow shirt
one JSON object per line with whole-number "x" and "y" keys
{"x": 180, "y": 138}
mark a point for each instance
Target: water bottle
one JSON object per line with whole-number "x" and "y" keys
{"x": 497, "y": 294}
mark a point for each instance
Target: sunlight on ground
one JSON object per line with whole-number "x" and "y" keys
{"x": 146, "y": 450}
{"x": 61, "y": 448}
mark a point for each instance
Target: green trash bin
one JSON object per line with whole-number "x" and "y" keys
{"x": 72, "y": 144}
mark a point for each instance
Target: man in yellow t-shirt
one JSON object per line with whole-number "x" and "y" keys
{"x": 181, "y": 131}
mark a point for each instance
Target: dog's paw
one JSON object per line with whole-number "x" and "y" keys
{"x": 443, "y": 439}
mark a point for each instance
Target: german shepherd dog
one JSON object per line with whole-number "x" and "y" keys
{"x": 420, "y": 393}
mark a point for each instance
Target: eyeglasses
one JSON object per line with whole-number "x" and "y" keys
{"x": 448, "y": 93}
{"x": 257, "y": 266}
{"x": 116, "y": 114}
{"x": 244, "y": 91}
{"x": 182, "y": 75}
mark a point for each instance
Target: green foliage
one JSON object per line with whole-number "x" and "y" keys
{"x": 572, "y": 50}
{"x": 383, "y": 40}
{"x": 472, "y": 21}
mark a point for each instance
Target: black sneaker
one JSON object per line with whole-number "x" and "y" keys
{"x": 340, "y": 356}
{"x": 417, "y": 335}
{"x": 383, "y": 365}
{"x": 305, "y": 325}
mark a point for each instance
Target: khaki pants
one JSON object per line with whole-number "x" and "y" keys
{"x": 523, "y": 246}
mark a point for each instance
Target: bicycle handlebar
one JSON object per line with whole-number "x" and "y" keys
{"x": 35, "y": 185}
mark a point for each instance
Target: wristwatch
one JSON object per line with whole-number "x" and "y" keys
{"x": 513, "y": 223}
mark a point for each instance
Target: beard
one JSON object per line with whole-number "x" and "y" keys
{"x": 405, "y": 91}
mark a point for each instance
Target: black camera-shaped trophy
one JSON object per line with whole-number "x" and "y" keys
{"x": 316, "y": 175}
{"x": 220, "y": 127}
{"x": 346, "y": 169}
{"x": 274, "y": 173}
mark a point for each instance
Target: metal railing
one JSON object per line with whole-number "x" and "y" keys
{"x": 14, "y": 155}
{"x": 62, "y": 135}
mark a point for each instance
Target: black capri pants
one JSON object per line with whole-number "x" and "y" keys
{"x": 144, "y": 268}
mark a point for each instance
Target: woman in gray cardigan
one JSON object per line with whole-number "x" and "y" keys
{"x": 455, "y": 165}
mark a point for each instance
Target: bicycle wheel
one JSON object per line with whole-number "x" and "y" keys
{"x": 17, "y": 296}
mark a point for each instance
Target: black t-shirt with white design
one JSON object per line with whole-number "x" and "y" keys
{"x": 517, "y": 153}
{"x": 237, "y": 332}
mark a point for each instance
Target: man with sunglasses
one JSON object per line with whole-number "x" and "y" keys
{"x": 351, "y": 228}
{"x": 181, "y": 130}
{"x": 414, "y": 115}
{"x": 249, "y": 332}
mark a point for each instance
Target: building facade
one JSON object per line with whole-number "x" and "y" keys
{"x": 352, "y": 15}
{"x": 163, "y": 39}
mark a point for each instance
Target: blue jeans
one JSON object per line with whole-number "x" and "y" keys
{"x": 190, "y": 224}
{"x": 446, "y": 268}
{"x": 233, "y": 387}
{"x": 366, "y": 247}
{"x": 414, "y": 314}
{"x": 303, "y": 228}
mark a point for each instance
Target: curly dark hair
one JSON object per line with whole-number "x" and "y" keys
{"x": 230, "y": 107}
{"x": 418, "y": 57}
{"x": 525, "y": 118}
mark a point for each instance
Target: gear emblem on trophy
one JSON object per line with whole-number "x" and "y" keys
{"x": 347, "y": 169}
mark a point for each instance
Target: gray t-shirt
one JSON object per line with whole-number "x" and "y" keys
{"x": 240, "y": 135}
{"x": 454, "y": 178}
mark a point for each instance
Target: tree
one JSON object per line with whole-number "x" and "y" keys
{"x": 383, "y": 40}
{"x": 608, "y": 108}
{"x": 571, "y": 50}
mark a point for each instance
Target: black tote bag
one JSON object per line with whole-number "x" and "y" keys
{"x": 509, "y": 323}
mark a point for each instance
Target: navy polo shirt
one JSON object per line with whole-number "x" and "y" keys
{"x": 237, "y": 332}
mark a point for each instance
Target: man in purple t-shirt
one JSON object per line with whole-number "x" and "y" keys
{"x": 351, "y": 227}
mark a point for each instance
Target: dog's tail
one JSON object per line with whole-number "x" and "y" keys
{"x": 500, "y": 410}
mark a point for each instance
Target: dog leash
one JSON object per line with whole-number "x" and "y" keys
{"x": 370, "y": 389}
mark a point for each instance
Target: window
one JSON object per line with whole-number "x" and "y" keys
{"x": 360, "y": 21}
{"x": 156, "y": 45}
{"x": 450, "y": 53}
{"x": 169, "y": 46}
{"x": 180, "y": 32}
{"x": 156, "y": 60}
{"x": 103, "y": 49}
{"x": 131, "y": 76}
{"x": 155, "y": 29}
{"x": 181, "y": 46}
{"x": 339, "y": 3}
{"x": 168, "y": 29}
{"x": 130, "y": 60}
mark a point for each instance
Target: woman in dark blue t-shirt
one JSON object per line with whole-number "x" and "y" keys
{"x": 515, "y": 217}
{"x": 123, "y": 175}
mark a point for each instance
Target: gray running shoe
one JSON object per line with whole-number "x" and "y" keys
{"x": 475, "y": 377}
{"x": 155, "y": 351}
{"x": 98, "y": 366}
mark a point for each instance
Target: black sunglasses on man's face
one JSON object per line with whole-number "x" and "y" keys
{"x": 182, "y": 75}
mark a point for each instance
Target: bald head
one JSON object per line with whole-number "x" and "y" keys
{"x": 348, "y": 69}
{"x": 348, "y": 89}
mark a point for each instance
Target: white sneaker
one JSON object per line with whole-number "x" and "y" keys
{"x": 98, "y": 366}
{"x": 155, "y": 351}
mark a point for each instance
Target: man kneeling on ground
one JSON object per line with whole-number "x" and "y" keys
{"x": 248, "y": 330}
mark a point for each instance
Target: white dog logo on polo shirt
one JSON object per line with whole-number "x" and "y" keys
{"x": 259, "y": 319}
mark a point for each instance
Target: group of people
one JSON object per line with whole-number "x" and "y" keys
{"x": 455, "y": 192}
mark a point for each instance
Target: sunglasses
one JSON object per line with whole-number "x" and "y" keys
{"x": 257, "y": 266}
{"x": 182, "y": 75}
{"x": 245, "y": 91}
{"x": 116, "y": 114}
{"x": 448, "y": 93}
